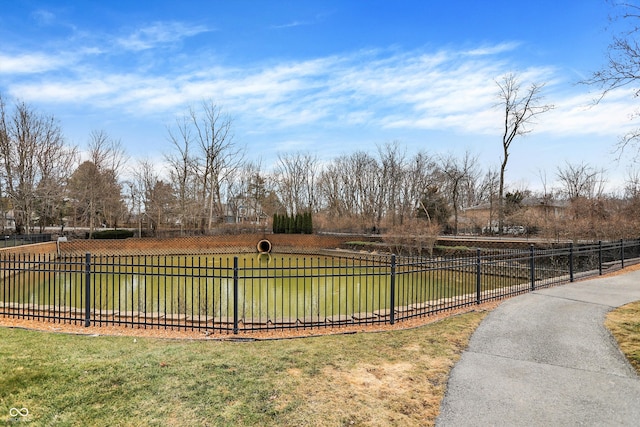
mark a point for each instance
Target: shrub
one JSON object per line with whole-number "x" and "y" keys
{"x": 297, "y": 224}
{"x": 112, "y": 234}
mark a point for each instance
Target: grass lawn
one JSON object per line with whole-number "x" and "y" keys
{"x": 385, "y": 378}
{"x": 624, "y": 324}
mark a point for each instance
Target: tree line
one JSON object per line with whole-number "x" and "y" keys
{"x": 206, "y": 183}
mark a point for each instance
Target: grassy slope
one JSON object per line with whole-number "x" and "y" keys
{"x": 393, "y": 378}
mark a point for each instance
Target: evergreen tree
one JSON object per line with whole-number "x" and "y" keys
{"x": 434, "y": 207}
{"x": 308, "y": 223}
{"x": 300, "y": 223}
{"x": 299, "y": 226}
{"x": 291, "y": 223}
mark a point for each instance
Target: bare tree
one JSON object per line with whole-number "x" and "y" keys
{"x": 84, "y": 189}
{"x": 296, "y": 181}
{"x": 106, "y": 153}
{"x": 248, "y": 191}
{"x": 632, "y": 184}
{"x": 546, "y": 190}
{"x": 153, "y": 200}
{"x": 35, "y": 162}
{"x": 221, "y": 156}
{"x": 109, "y": 157}
{"x": 366, "y": 188}
{"x": 360, "y": 191}
{"x": 333, "y": 191}
{"x": 623, "y": 63}
{"x": 392, "y": 161}
{"x": 581, "y": 181}
{"x": 159, "y": 207}
{"x": 632, "y": 200}
{"x": 520, "y": 111}
{"x": 204, "y": 160}
{"x": 182, "y": 172}
{"x": 97, "y": 196}
{"x": 55, "y": 163}
{"x": 351, "y": 188}
{"x": 589, "y": 214}
{"x": 487, "y": 188}
{"x": 336, "y": 192}
{"x": 458, "y": 174}
{"x": 146, "y": 178}
{"x": 94, "y": 186}
{"x": 420, "y": 174}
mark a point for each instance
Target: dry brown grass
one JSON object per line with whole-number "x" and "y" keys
{"x": 390, "y": 393}
{"x": 624, "y": 324}
{"x": 383, "y": 379}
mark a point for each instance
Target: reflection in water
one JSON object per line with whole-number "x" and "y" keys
{"x": 264, "y": 258}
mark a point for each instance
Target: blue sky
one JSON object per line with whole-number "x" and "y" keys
{"x": 326, "y": 77}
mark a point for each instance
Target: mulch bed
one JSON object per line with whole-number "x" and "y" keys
{"x": 168, "y": 333}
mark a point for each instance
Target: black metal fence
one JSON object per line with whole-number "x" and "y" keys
{"x": 261, "y": 292}
{"x": 8, "y": 240}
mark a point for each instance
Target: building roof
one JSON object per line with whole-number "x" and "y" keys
{"x": 527, "y": 202}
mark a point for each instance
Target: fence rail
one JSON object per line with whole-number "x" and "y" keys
{"x": 9, "y": 240}
{"x": 261, "y": 292}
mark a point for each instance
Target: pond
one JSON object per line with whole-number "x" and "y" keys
{"x": 258, "y": 288}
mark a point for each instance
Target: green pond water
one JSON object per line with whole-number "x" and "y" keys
{"x": 260, "y": 286}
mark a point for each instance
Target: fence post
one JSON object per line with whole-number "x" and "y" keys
{"x": 532, "y": 266}
{"x": 571, "y": 262}
{"x": 621, "y": 253}
{"x": 478, "y": 275}
{"x": 87, "y": 290}
{"x": 235, "y": 295}
{"x": 600, "y": 257}
{"x": 392, "y": 285}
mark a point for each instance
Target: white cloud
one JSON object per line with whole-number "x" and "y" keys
{"x": 89, "y": 90}
{"x": 291, "y": 24}
{"x": 29, "y": 63}
{"x": 577, "y": 115}
{"x": 442, "y": 90}
{"x": 493, "y": 49}
{"x": 159, "y": 33}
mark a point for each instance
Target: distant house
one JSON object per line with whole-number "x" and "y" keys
{"x": 544, "y": 207}
{"x": 531, "y": 210}
{"x": 241, "y": 210}
{"x": 8, "y": 219}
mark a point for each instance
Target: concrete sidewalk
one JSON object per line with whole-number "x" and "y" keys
{"x": 546, "y": 359}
